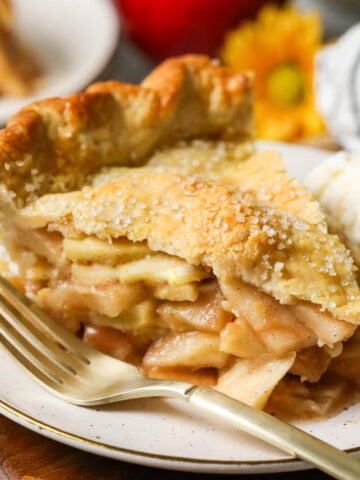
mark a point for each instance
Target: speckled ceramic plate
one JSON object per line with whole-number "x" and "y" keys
{"x": 162, "y": 432}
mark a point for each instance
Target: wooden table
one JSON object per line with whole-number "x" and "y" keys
{"x": 25, "y": 455}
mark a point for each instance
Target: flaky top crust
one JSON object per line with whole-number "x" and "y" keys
{"x": 261, "y": 172}
{"x": 52, "y": 145}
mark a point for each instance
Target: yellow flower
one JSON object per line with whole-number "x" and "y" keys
{"x": 279, "y": 46}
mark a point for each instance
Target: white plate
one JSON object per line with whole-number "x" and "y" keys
{"x": 162, "y": 432}
{"x": 73, "y": 41}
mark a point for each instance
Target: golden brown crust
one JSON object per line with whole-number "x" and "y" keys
{"x": 119, "y": 124}
{"x": 265, "y": 173}
{"x": 262, "y": 172}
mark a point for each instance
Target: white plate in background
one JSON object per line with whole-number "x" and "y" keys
{"x": 167, "y": 433}
{"x": 72, "y": 40}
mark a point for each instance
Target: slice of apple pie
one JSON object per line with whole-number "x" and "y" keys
{"x": 19, "y": 72}
{"x": 225, "y": 283}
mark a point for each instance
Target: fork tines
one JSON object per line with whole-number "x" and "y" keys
{"x": 35, "y": 339}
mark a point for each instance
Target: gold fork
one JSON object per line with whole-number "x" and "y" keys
{"x": 79, "y": 374}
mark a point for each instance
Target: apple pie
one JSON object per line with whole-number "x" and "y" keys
{"x": 19, "y": 72}
{"x": 138, "y": 217}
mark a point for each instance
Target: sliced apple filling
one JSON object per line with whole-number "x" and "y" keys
{"x": 174, "y": 319}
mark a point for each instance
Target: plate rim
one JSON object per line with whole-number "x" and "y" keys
{"x": 71, "y": 436}
{"x": 167, "y": 461}
{"x": 40, "y": 424}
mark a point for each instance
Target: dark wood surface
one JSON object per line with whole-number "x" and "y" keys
{"x": 25, "y": 455}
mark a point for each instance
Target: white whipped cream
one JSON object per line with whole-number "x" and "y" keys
{"x": 338, "y": 88}
{"x": 336, "y": 184}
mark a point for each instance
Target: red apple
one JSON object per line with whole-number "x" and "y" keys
{"x": 164, "y": 28}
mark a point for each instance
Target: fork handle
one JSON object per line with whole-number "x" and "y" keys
{"x": 286, "y": 437}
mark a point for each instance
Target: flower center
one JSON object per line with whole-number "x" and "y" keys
{"x": 285, "y": 84}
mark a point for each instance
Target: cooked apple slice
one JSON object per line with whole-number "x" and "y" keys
{"x": 275, "y": 325}
{"x": 140, "y": 319}
{"x": 94, "y": 250}
{"x": 191, "y": 349}
{"x": 161, "y": 268}
{"x": 92, "y": 274}
{"x": 239, "y": 339}
{"x": 177, "y": 293}
{"x": 109, "y": 341}
{"x": 327, "y": 328}
{"x": 108, "y": 300}
{"x": 206, "y": 314}
{"x": 252, "y": 381}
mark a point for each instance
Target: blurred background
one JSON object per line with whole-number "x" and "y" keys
{"x": 155, "y": 29}
{"x": 72, "y": 44}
